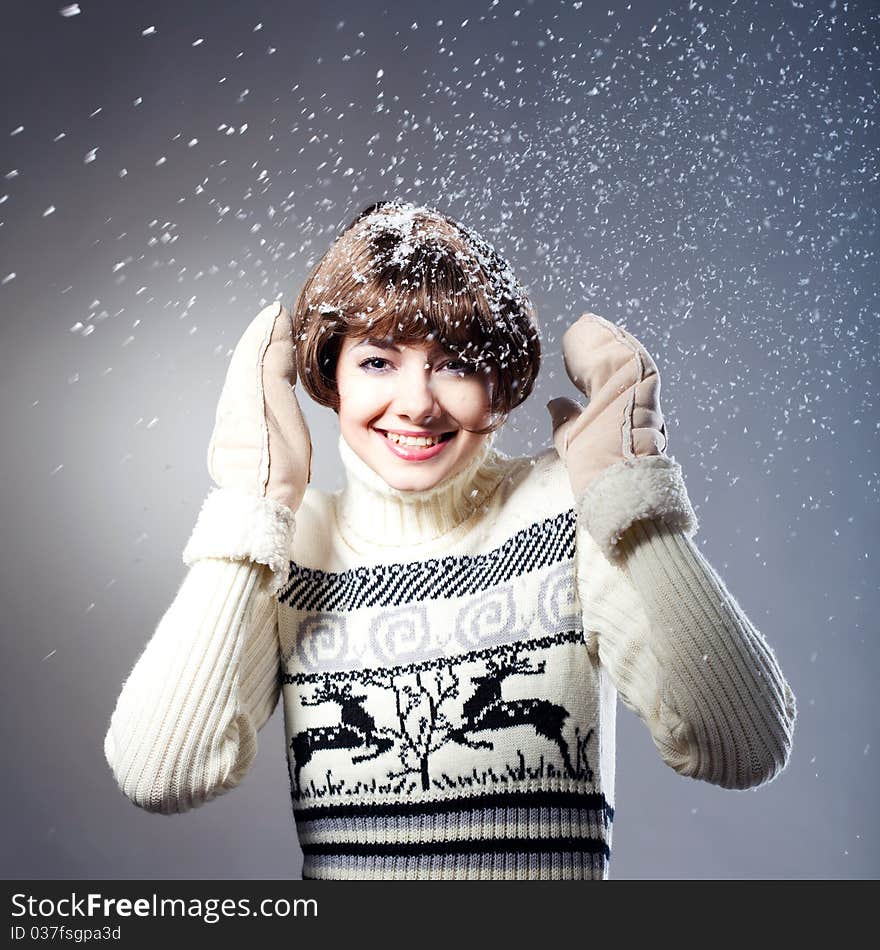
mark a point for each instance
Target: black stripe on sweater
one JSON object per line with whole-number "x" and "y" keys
{"x": 469, "y": 846}
{"x": 593, "y": 801}
{"x": 546, "y": 542}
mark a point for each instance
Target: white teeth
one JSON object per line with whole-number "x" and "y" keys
{"x": 411, "y": 440}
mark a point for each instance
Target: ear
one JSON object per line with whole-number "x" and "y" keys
{"x": 563, "y": 413}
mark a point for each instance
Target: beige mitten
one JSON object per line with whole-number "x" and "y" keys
{"x": 259, "y": 455}
{"x": 614, "y": 449}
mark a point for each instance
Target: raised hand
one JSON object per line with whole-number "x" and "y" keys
{"x": 623, "y": 419}
{"x": 261, "y": 444}
{"x": 615, "y": 448}
{"x": 260, "y": 453}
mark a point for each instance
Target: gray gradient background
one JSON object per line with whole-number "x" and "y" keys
{"x": 706, "y": 177}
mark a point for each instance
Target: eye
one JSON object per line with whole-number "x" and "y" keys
{"x": 460, "y": 367}
{"x": 368, "y": 364}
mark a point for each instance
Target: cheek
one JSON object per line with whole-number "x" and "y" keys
{"x": 348, "y": 399}
{"x": 468, "y": 400}
{"x": 361, "y": 397}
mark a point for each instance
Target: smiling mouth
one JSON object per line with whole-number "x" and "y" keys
{"x": 416, "y": 441}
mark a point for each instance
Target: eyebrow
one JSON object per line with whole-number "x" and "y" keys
{"x": 385, "y": 344}
{"x": 382, "y": 344}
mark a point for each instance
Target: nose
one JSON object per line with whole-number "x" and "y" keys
{"x": 414, "y": 396}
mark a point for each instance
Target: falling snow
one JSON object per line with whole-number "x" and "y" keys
{"x": 705, "y": 175}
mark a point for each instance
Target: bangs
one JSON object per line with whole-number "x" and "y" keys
{"x": 422, "y": 314}
{"x": 406, "y": 273}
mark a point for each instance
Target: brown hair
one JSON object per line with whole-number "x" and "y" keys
{"x": 404, "y": 272}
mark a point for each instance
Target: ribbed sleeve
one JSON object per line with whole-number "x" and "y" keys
{"x": 185, "y": 725}
{"x": 687, "y": 660}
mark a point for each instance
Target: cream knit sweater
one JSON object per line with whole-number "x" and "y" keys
{"x": 449, "y": 663}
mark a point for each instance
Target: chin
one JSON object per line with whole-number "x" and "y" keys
{"x": 409, "y": 480}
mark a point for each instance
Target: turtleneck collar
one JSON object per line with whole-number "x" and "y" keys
{"x": 373, "y": 514}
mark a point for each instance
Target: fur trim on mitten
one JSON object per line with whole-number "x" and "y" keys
{"x": 240, "y": 526}
{"x": 632, "y": 490}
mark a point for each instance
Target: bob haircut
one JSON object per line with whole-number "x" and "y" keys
{"x": 410, "y": 273}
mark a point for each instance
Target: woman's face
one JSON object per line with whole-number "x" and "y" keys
{"x": 391, "y": 390}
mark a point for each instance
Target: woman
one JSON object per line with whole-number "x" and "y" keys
{"x": 450, "y": 631}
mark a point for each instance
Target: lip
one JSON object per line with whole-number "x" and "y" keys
{"x": 413, "y": 453}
